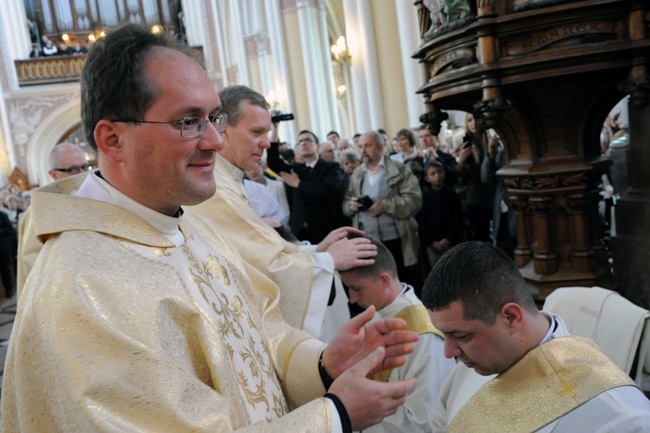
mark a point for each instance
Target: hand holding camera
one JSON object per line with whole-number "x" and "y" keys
{"x": 364, "y": 203}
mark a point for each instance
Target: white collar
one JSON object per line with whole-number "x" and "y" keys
{"x": 96, "y": 188}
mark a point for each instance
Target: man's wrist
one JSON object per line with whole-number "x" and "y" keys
{"x": 324, "y": 375}
{"x": 346, "y": 424}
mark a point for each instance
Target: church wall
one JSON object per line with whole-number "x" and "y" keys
{"x": 296, "y": 61}
{"x": 391, "y": 75}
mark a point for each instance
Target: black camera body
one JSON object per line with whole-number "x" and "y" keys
{"x": 280, "y": 116}
{"x": 365, "y": 203}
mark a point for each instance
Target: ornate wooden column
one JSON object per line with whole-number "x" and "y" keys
{"x": 544, "y": 74}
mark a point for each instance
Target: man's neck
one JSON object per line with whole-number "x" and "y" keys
{"x": 309, "y": 159}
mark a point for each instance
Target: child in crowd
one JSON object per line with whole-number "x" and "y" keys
{"x": 440, "y": 220}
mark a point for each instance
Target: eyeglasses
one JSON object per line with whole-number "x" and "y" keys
{"x": 191, "y": 126}
{"x": 75, "y": 169}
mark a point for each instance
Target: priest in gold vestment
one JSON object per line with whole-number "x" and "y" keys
{"x": 140, "y": 316}
{"x": 519, "y": 369}
{"x": 313, "y": 298}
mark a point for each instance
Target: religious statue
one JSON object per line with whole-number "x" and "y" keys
{"x": 446, "y": 15}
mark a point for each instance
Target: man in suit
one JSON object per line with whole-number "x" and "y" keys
{"x": 316, "y": 188}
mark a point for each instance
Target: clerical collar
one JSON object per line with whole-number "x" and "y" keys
{"x": 311, "y": 164}
{"x": 236, "y": 172}
{"x": 551, "y": 328}
{"x": 96, "y": 188}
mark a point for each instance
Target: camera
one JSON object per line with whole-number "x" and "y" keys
{"x": 365, "y": 203}
{"x": 280, "y": 116}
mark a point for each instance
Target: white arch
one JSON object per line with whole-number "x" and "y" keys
{"x": 46, "y": 136}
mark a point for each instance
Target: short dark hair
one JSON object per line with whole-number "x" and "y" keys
{"x": 333, "y": 132}
{"x": 113, "y": 81}
{"x": 384, "y": 262}
{"x": 358, "y": 134}
{"x": 479, "y": 275}
{"x": 232, "y": 96}
{"x": 431, "y": 164}
{"x": 307, "y": 131}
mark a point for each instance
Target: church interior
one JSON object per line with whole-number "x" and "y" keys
{"x": 544, "y": 75}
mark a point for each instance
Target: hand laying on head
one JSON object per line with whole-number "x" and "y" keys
{"x": 337, "y": 235}
{"x": 358, "y": 338}
{"x": 350, "y": 253}
{"x": 367, "y": 401}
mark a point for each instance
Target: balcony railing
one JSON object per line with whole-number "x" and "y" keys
{"x": 49, "y": 70}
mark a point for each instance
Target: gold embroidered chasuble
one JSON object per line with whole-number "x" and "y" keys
{"x": 550, "y": 381}
{"x": 259, "y": 244}
{"x": 120, "y": 330}
{"x": 417, "y": 320}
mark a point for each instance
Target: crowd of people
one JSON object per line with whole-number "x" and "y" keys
{"x": 163, "y": 292}
{"x": 49, "y": 48}
{"x": 420, "y": 193}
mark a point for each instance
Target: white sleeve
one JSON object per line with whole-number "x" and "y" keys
{"x": 323, "y": 274}
{"x": 336, "y": 417}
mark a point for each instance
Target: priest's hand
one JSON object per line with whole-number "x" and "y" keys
{"x": 358, "y": 338}
{"x": 367, "y": 401}
{"x": 337, "y": 235}
{"x": 351, "y": 253}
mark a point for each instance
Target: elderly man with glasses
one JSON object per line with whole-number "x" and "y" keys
{"x": 66, "y": 160}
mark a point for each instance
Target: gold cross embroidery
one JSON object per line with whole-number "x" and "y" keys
{"x": 568, "y": 389}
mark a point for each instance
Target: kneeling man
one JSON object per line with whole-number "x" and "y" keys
{"x": 378, "y": 285}
{"x": 519, "y": 368}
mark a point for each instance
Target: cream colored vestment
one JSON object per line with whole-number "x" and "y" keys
{"x": 120, "y": 329}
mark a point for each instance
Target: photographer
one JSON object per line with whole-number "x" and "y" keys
{"x": 382, "y": 199}
{"x": 480, "y": 194}
{"x": 315, "y": 188}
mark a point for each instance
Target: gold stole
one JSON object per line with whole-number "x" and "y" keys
{"x": 417, "y": 320}
{"x": 549, "y": 381}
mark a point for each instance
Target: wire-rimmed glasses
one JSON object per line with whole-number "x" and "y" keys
{"x": 191, "y": 126}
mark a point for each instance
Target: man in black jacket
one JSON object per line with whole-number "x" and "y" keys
{"x": 316, "y": 188}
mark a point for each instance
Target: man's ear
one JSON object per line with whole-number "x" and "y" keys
{"x": 107, "y": 137}
{"x": 512, "y": 314}
{"x": 385, "y": 279}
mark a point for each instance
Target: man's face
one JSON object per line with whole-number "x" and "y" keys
{"x": 333, "y": 138}
{"x": 69, "y": 158}
{"x": 307, "y": 147}
{"x": 366, "y": 291}
{"x": 158, "y": 168}
{"x": 246, "y": 141}
{"x": 327, "y": 151}
{"x": 370, "y": 151}
{"x": 486, "y": 349}
{"x": 427, "y": 139}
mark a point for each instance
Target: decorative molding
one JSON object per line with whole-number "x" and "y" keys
{"x": 524, "y": 5}
{"x": 638, "y": 89}
{"x": 453, "y": 59}
{"x": 25, "y": 115}
{"x": 546, "y": 183}
{"x": 491, "y": 110}
{"x": 538, "y": 40}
